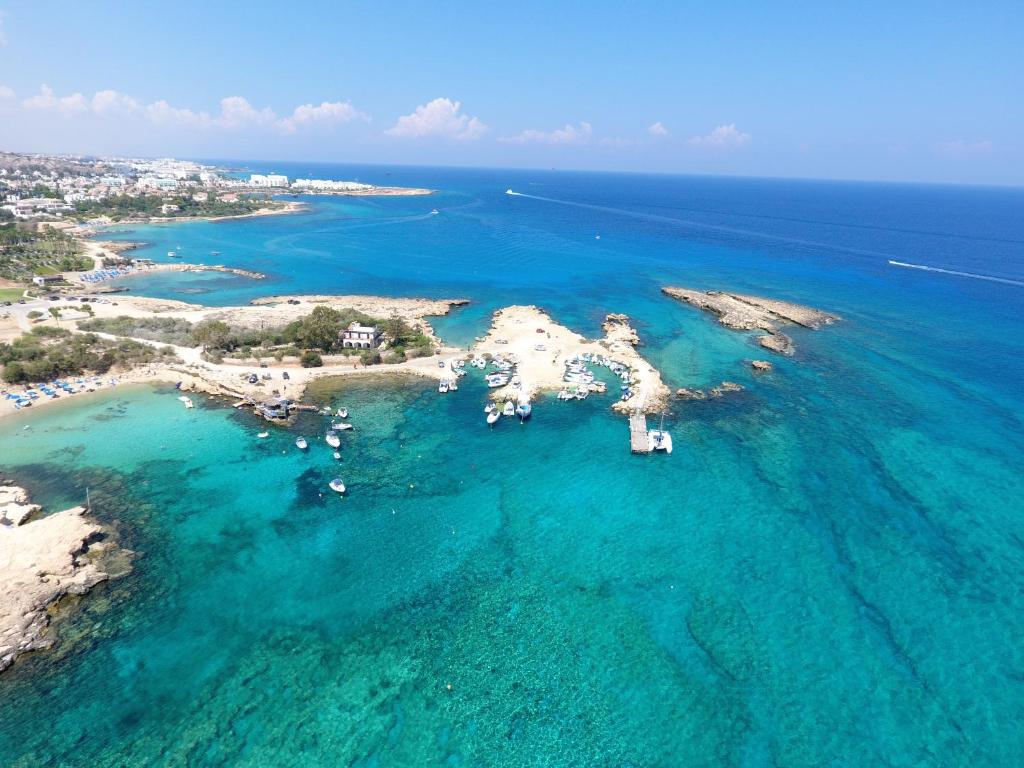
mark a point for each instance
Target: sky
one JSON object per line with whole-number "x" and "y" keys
{"x": 895, "y": 91}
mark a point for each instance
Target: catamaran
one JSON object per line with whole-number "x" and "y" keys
{"x": 658, "y": 439}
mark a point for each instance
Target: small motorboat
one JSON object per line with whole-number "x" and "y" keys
{"x": 523, "y": 411}
{"x": 340, "y": 426}
{"x": 337, "y": 485}
{"x": 453, "y": 385}
{"x": 301, "y": 443}
{"x": 434, "y": 212}
{"x": 509, "y": 409}
{"x": 442, "y": 386}
{"x": 187, "y": 401}
{"x": 263, "y": 434}
{"x": 332, "y": 439}
{"x": 489, "y": 408}
{"x": 341, "y": 413}
{"x": 337, "y": 455}
{"x": 493, "y": 416}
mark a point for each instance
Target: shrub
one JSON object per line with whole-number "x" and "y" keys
{"x": 369, "y": 357}
{"x": 311, "y": 359}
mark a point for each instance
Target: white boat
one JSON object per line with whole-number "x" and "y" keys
{"x": 337, "y": 485}
{"x": 434, "y": 212}
{"x": 658, "y": 439}
{"x": 493, "y": 416}
{"x": 453, "y": 385}
{"x": 263, "y": 434}
{"x": 509, "y": 409}
{"x": 187, "y": 401}
{"x": 340, "y": 426}
{"x": 332, "y": 439}
{"x": 337, "y": 455}
{"x": 442, "y": 386}
{"x": 523, "y": 411}
{"x": 301, "y": 444}
{"x": 342, "y": 413}
{"x": 490, "y": 407}
{"x": 172, "y": 254}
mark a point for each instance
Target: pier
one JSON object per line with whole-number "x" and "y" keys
{"x": 638, "y": 442}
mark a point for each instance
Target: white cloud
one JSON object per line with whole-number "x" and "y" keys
{"x": 657, "y": 129}
{"x": 959, "y": 147}
{"x": 66, "y": 105}
{"x": 236, "y": 111}
{"x": 163, "y": 113}
{"x": 113, "y": 103}
{"x": 570, "y": 134}
{"x": 722, "y": 137}
{"x": 329, "y": 112}
{"x": 440, "y": 117}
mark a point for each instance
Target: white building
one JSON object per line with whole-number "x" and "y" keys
{"x": 361, "y": 336}
{"x": 329, "y": 185}
{"x": 268, "y": 180}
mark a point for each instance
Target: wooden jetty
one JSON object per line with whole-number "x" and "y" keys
{"x": 638, "y": 442}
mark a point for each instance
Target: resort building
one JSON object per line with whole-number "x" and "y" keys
{"x": 42, "y": 280}
{"x": 361, "y": 336}
{"x": 268, "y": 180}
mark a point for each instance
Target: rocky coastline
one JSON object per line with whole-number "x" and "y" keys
{"x": 42, "y": 560}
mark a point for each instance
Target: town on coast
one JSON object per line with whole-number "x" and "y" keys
{"x": 66, "y": 330}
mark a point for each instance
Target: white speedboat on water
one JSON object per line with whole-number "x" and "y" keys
{"x": 263, "y": 434}
{"x": 187, "y": 401}
{"x": 337, "y": 485}
{"x": 340, "y": 426}
{"x": 332, "y": 439}
{"x": 509, "y": 409}
{"x": 490, "y": 408}
{"x": 337, "y": 455}
{"x": 523, "y": 411}
{"x": 301, "y": 443}
{"x": 442, "y": 386}
{"x": 493, "y": 416}
{"x": 342, "y": 413}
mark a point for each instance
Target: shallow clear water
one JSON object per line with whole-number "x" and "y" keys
{"x": 825, "y": 570}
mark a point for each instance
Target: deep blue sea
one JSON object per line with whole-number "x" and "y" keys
{"x": 826, "y": 571}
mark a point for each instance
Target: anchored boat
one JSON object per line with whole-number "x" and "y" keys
{"x": 301, "y": 444}
{"x": 332, "y": 439}
{"x": 337, "y": 485}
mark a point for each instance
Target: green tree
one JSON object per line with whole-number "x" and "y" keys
{"x": 311, "y": 359}
{"x": 211, "y": 334}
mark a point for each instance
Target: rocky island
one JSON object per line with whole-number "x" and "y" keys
{"x": 41, "y": 561}
{"x": 746, "y": 313}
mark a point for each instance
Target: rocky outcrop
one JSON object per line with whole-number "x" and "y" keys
{"x": 761, "y": 365}
{"x": 41, "y": 562}
{"x": 747, "y": 313}
{"x": 685, "y": 393}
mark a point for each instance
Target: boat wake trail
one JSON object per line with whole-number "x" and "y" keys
{"x": 702, "y": 225}
{"x": 972, "y": 275}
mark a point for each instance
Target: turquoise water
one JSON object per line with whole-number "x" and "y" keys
{"x": 826, "y": 571}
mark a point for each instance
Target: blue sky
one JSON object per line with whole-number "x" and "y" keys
{"x": 910, "y": 91}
